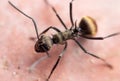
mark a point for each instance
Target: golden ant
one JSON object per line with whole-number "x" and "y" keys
{"x": 86, "y": 28}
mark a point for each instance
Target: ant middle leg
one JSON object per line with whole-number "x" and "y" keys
{"x": 100, "y": 38}
{"x": 107, "y": 64}
{"x": 59, "y": 18}
{"x": 57, "y": 62}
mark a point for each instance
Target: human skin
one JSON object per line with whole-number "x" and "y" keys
{"x": 17, "y": 52}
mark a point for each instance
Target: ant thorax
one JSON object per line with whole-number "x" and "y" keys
{"x": 61, "y": 37}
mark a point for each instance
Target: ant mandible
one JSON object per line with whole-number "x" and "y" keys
{"x": 86, "y": 28}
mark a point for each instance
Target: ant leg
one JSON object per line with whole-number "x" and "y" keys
{"x": 56, "y": 29}
{"x": 71, "y": 15}
{"x": 58, "y": 60}
{"x": 59, "y": 18}
{"x": 100, "y": 38}
{"x": 107, "y": 64}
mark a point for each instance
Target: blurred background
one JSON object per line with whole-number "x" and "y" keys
{"x": 17, "y": 50}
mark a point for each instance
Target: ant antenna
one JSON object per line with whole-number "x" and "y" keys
{"x": 35, "y": 25}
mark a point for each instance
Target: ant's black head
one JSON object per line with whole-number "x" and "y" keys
{"x": 43, "y": 44}
{"x": 88, "y": 26}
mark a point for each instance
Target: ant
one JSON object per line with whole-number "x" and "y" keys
{"x": 86, "y": 28}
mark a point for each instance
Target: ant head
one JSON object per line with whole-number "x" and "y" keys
{"x": 43, "y": 44}
{"x": 88, "y": 26}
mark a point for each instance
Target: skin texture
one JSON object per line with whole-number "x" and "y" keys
{"x": 17, "y": 50}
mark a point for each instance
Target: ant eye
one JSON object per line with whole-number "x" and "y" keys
{"x": 46, "y": 46}
{"x": 88, "y": 26}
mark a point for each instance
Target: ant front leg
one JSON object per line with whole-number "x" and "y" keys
{"x": 56, "y": 29}
{"x": 107, "y": 64}
{"x": 57, "y": 62}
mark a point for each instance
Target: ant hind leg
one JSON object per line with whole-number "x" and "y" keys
{"x": 100, "y": 38}
{"x": 86, "y": 52}
{"x": 71, "y": 14}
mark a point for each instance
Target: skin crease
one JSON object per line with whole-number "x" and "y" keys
{"x": 17, "y": 50}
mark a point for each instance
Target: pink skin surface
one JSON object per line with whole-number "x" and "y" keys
{"x": 17, "y": 52}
